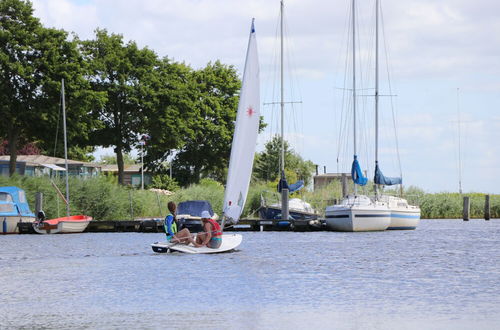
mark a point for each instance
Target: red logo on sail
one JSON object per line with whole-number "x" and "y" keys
{"x": 250, "y": 111}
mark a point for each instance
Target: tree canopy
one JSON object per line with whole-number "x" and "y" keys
{"x": 267, "y": 163}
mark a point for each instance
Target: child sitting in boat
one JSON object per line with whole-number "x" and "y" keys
{"x": 171, "y": 226}
{"x": 212, "y": 236}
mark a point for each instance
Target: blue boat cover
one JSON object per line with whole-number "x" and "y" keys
{"x": 385, "y": 180}
{"x": 357, "y": 174}
{"x": 194, "y": 208}
{"x": 16, "y": 205}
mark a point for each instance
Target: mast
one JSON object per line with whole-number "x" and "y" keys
{"x": 376, "y": 91}
{"x": 284, "y": 191}
{"x": 354, "y": 80}
{"x": 65, "y": 146}
{"x": 459, "y": 147}
{"x": 282, "y": 98}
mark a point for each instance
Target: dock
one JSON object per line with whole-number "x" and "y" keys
{"x": 157, "y": 226}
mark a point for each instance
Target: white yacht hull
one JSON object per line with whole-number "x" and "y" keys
{"x": 357, "y": 220}
{"x": 404, "y": 220}
{"x": 8, "y": 224}
{"x": 358, "y": 213}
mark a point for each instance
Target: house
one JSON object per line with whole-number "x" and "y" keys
{"x": 323, "y": 180}
{"x": 38, "y": 165}
{"x": 131, "y": 174}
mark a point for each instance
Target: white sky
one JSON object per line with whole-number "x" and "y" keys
{"x": 433, "y": 47}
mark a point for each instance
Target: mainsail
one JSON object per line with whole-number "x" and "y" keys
{"x": 245, "y": 135}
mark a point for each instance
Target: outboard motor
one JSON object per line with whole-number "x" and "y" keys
{"x": 41, "y": 216}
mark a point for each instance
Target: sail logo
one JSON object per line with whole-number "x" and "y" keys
{"x": 250, "y": 111}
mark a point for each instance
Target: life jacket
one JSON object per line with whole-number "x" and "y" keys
{"x": 173, "y": 226}
{"x": 216, "y": 232}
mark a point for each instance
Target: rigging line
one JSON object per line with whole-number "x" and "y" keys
{"x": 394, "y": 120}
{"x": 344, "y": 110}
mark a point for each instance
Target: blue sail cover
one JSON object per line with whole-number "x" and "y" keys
{"x": 357, "y": 174}
{"x": 385, "y": 180}
{"x": 296, "y": 186}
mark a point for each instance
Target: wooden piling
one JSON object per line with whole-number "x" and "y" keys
{"x": 487, "y": 207}
{"x": 284, "y": 204}
{"x": 466, "y": 210}
{"x": 344, "y": 185}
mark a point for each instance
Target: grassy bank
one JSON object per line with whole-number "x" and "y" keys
{"x": 103, "y": 199}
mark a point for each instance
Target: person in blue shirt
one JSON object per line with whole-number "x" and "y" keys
{"x": 171, "y": 228}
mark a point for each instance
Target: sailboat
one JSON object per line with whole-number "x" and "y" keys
{"x": 294, "y": 208}
{"x": 403, "y": 215}
{"x": 67, "y": 224}
{"x": 241, "y": 159}
{"x": 357, "y": 212}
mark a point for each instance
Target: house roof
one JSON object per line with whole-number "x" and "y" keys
{"x": 133, "y": 168}
{"x": 332, "y": 175}
{"x": 45, "y": 160}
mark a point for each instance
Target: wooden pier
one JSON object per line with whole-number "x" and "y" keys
{"x": 157, "y": 226}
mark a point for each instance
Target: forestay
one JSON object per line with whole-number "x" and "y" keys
{"x": 245, "y": 136}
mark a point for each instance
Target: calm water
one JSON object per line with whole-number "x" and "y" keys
{"x": 444, "y": 275}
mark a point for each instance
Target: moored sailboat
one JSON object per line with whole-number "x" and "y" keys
{"x": 360, "y": 212}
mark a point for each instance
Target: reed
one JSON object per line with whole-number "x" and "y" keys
{"x": 103, "y": 199}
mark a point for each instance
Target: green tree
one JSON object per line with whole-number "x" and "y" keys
{"x": 125, "y": 73}
{"x": 33, "y": 60}
{"x": 111, "y": 159}
{"x": 205, "y": 152}
{"x": 170, "y": 122}
{"x": 267, "y": 163}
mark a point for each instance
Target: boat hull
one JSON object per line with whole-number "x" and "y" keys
{"x": 229, "y": 243}
{"x": 8, "y": 224}
{"x": 401, "y": 220}
{"x": 274, "y": 213}
{"x": 357, "y": 220}
{"x": 64, "y": 225}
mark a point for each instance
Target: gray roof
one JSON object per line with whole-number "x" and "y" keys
{"x": 41, "y": 159}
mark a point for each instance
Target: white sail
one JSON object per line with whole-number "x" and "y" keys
{"x": 245, "y": 135}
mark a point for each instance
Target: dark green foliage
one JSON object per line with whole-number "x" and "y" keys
{"x": 163, "y": 181}
{"x": 125, "y": 74}
{"x": 206, "y": 150}
{"x": 33, "y": 60}
{"x": 267, "y": 163}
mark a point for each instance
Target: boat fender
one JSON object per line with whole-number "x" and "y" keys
{"x": 4, "y": 225}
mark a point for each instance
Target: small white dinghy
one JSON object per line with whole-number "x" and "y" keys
{"x": 241, "y": 159}
{"x": 229, "y": 243}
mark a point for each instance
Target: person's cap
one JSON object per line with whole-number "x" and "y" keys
{"x": 205, "y": 215}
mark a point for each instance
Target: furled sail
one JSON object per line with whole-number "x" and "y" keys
{"x": 357, "y": 174}
{"x": 385, "y": 180}
{"x": 245, "y": 135}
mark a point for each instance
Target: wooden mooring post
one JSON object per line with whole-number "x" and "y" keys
{"x": 466, "y": 211}
{"x": 487, "y": 207}
{"x": 344, "y": 185}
